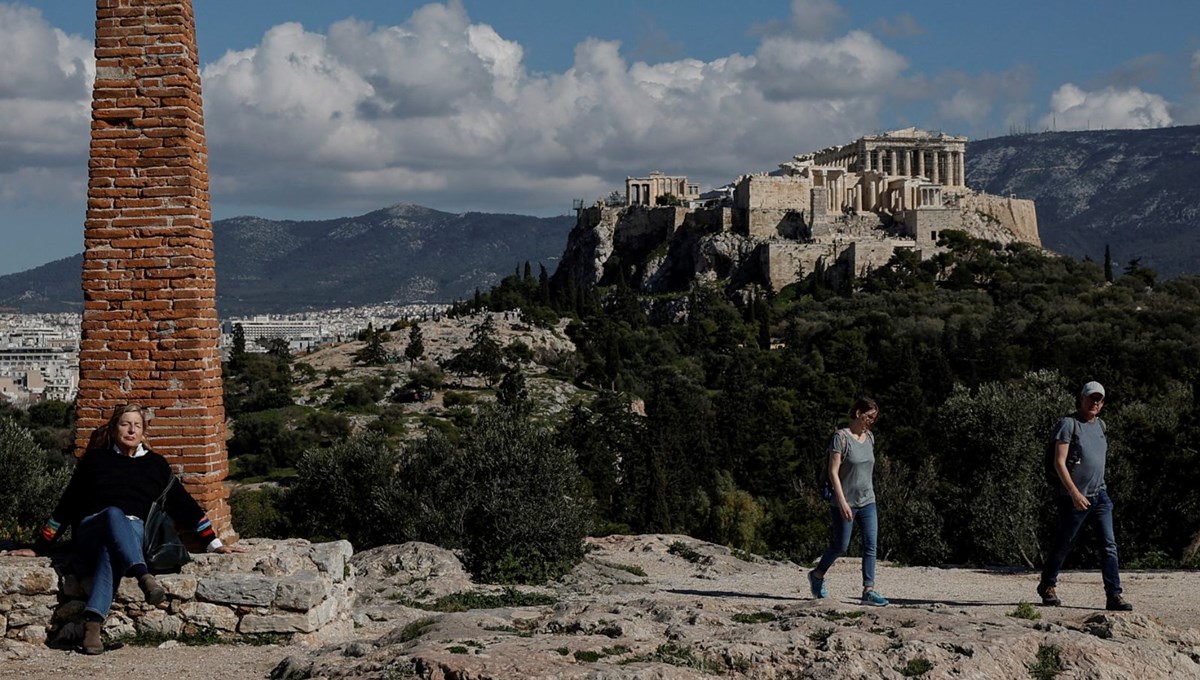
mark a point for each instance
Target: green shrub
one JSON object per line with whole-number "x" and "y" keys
{"x": 32, "y": 481}
{"x": 452, "y": 399}
{"x": 511, "y": 498}
{"x": 915, "y": 667}
{"x": 1048, "y": 664}
{"x": 345, "y": 491}
{"x": 1025, "y": 611}
{"x": 754, "y": 617}
{"x": 260, "y": 513}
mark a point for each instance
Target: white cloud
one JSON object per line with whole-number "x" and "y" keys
{"x": 442, "y": 110}
{"x": 856, "y": 64}
{"x": 45, "y": 92}
{"x": 1072, "y": 108}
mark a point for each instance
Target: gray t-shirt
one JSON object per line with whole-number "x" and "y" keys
{"x": 857, "y": 467}
{"x": 1088, "y": 475}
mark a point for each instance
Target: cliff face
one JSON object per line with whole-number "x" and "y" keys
{"x": 1001, "y": 219}
{"x": 666, "y": 250}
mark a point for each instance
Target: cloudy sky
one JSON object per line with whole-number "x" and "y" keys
{"x": 323, "y": 109}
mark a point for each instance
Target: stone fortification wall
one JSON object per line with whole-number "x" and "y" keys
{"x": 843, "y": 227}
{"x": 279, "y": 587}
{"x": 785, "y": 262}
{"x": 926, "y": 225}
{"x": 150, "y": 331}
{"x": 772, "y": 206}
{"x": 713, "y": 219}
{"x": 1001, "y": 219}
{"x": 639, "y": 228}
{"x": 863, "y": 256}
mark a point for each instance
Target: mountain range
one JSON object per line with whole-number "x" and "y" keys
{"x": 1130, "y": 189}
{"x": 405, "y": 252}
{"x": 1127, "y": 189}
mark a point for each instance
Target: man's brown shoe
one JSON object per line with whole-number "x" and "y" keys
{"x": 92, "y": 644}
{"x": 1049, "y": 597}
{"x": 1118, "y": 604}
{"x": 150, "y": 587}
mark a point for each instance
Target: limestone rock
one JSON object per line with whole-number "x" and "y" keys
{"x": 414, "y": 570}
{"x": 27, "y": 576}
{"x": 258, "y": 591}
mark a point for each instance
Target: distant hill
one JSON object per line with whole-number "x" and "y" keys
{"x": 405, "y": 252}
{"x": 1131, "y": 189}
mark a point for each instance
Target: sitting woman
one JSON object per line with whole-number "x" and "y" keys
{"x": 107, "y": 500}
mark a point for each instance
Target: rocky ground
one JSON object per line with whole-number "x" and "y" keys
{"x": 640, "y": 608}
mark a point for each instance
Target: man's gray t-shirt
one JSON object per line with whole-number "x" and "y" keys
{"x": 1088, "y": 475}
{"x": 857, "y": 467}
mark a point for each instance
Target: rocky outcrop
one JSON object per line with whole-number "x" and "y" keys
{"x": 289, "y": 587}
{"x": 674, "y": 607}
{"x": 1001, "y": 219}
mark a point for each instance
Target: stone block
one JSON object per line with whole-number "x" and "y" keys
{"x": 32, "y": 614}
{"x": 160, "y": 622}
{"x": 332, "y": 558}
{"x": 301, "y": 592}
{"x": 208, "y": 615}
{"x": 28, "y": 576}
{"x": 289, "y": 623}
{"x": 31, "y": 634}
{"x": 127, "y": 591}
{"x": 182, "y": 586}
{"x": 257, "y": 591}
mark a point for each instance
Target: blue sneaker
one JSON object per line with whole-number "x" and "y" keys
{"x": 873, "y": 598}
{"x": 816, "y": 586}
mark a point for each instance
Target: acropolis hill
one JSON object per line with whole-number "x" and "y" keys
{"x": 840, "y": 212}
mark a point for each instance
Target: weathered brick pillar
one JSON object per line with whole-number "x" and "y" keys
{"x": 150, "y": 328}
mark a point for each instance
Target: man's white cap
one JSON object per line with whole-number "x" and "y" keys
{"x": 1092, "y": 387}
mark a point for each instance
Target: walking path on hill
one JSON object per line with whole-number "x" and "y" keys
{"x": 704, "y": 603}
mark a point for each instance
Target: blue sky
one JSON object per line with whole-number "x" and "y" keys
{"x": 321, "y": 109}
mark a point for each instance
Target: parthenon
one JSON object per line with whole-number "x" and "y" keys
{"x": 842, "y": 210}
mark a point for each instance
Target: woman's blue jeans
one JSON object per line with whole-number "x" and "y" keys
{"x": 109, "y": 543}
{"x": 839, "y": 541}
{"x": 1100, "y": 515}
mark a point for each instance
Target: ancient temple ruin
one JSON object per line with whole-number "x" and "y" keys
{"x": 842, "y": 211}
{"x": 150, "y": 328}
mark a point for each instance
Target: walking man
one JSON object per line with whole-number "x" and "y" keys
{"x": 1080, "y": 450}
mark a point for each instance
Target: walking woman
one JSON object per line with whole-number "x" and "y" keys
{"x": 850, "y": 466}
{"x": 107, "y": 500}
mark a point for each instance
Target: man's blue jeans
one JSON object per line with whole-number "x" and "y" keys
{"x": 1100, "y": 515}
{"x": 109, "y": 543}
{"x": 839, "y": 541}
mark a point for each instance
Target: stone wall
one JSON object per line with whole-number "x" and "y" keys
{"x": 925, "y": 225}
{"x": 276, "y": 587}
{"x": 640, "y": 228}
{"x": 772, "y": 206}
{"x": 150, "y": 331}
{"x": 863, "y": 256}
{"x": 785, "y": 262}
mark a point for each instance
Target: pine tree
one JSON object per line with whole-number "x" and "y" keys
{"x": 1108, "y": 264}
{"x": 416, "y": 344}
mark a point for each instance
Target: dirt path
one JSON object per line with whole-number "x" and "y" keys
{"x": 1171, "y": 597}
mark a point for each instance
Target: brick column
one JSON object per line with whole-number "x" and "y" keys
{"x": 150, "y": 327}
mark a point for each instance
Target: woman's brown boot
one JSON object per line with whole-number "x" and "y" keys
{"x": 92, "y": 644}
